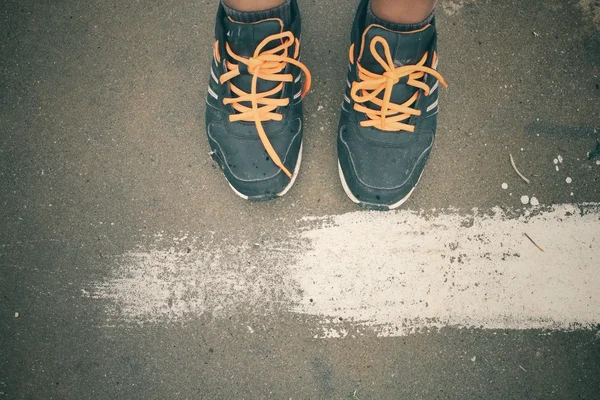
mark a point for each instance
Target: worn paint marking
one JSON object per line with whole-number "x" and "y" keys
{"x": 388, "y": 273}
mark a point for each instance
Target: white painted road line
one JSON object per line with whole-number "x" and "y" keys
{"x": 388, "y": 273}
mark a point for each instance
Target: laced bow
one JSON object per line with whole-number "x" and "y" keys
{"x": 266, "y": 65}
{"x": 390, "y": 115}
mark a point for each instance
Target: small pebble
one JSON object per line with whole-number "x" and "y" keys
{"x": 557, "y": 169}
{"x": 474, "y": 359}
{"x": 568, "y": 180}
{"x": 572, "y": 194}
{"x": 597, "y": 162}
{"x": 525, "y": 199}
{"x": 534, "y": 201}
{"x": 505, "y": 186}
{"x": 17, "y": 315}
{"x": 560, "y": 159}
{"x": 555, "y": 161}
{"x": 319, "y": 108}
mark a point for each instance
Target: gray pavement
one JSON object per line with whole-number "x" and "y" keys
{"x": 102, "y": 147}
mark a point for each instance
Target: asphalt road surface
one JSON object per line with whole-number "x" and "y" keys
{"x": 130, "y": 270}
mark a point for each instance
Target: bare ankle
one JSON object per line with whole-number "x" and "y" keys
{"x": 254, "y": 5}
{"x": 403, "y": 11}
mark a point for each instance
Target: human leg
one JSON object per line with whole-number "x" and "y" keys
{"x": 402, "y": 11}
{"x": 253, "y": 5}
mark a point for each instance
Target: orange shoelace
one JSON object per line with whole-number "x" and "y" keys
{"x": 390, "y": 115}
{"x": 266, "y": 65}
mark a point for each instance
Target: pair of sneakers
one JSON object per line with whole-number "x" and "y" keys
{"x": 388, "y": 116}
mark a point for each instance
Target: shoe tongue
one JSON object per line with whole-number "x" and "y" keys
{"x": 243, "y": 38}
{"x": 406, "y": 48}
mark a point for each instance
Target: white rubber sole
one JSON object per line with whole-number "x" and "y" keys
{"x": 352, "y": 197}
{"x": 287, "y": 188}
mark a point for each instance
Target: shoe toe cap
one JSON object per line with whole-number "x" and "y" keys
{"x": 246, "y": 164}
{"x": 381, "y": 173}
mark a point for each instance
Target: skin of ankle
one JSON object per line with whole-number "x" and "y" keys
{"x": 254, "y": 5}
{"x": 403, "y": 11}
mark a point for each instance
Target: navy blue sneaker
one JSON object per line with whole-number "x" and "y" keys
{"x": 389, "y": 114}
{"x": 254, "y": 104}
